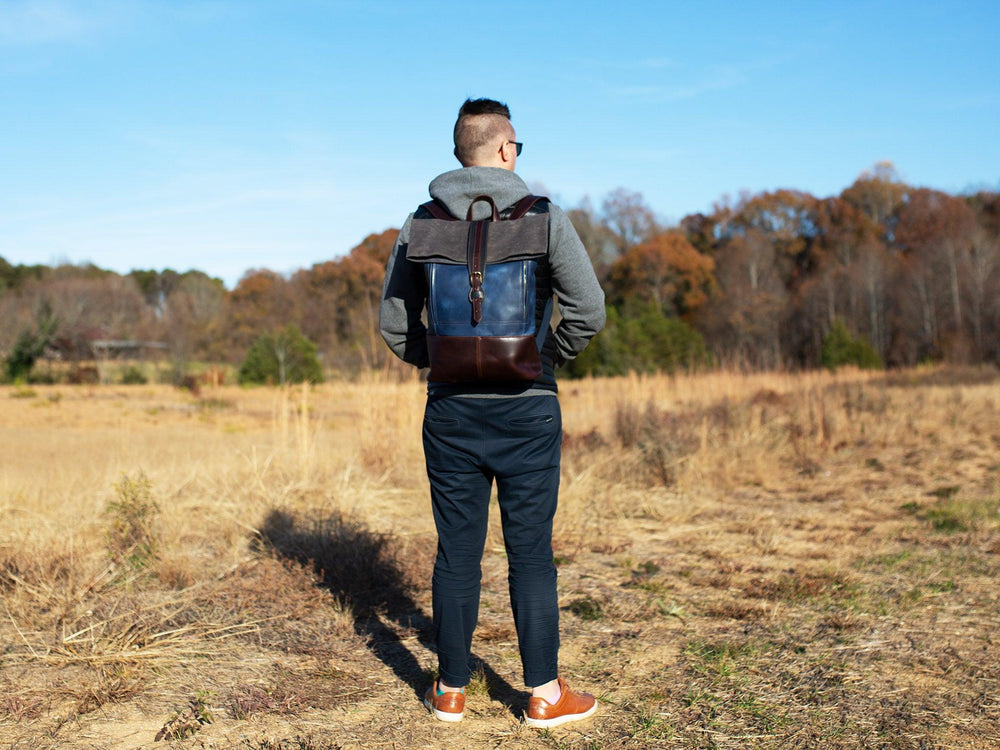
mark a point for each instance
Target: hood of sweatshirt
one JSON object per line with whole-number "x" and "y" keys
{"x": 457, "y": 188}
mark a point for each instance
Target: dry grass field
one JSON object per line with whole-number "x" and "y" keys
{"x": 746, "y": 561}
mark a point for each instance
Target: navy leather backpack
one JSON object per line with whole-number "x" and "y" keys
{"x": 481, "y": 291}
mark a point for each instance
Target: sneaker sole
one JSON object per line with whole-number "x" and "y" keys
{"x": 556, "y": 721}
{"x": 442, "y": 715}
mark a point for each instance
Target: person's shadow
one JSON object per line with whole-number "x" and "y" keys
{"x": 360, "y": 567}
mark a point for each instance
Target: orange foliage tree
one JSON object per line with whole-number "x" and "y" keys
{"x": 666, "y": 270}
{"x": 340, "y": 301}
{"x": 261, "y": 302}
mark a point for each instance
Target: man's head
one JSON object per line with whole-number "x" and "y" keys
{"x": 484, "y": 136}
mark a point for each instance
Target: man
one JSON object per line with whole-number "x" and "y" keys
{"x": 478, "y": 432}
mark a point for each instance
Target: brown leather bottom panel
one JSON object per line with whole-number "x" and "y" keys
{"x": 470, "y": 359}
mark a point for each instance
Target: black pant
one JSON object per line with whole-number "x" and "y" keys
{"x": 469, "y": 442}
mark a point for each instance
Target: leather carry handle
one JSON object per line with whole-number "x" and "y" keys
{"x": 477, "y": 255}
{"x": 496, "y": 211}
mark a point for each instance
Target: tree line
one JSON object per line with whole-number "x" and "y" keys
{"x": 883, "y": 274}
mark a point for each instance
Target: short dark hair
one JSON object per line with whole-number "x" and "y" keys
{"x": 483, "y": 107}
{"x": 470, "y": 138}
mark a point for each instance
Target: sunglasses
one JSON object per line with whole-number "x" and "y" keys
{"x": 518, "y": 146}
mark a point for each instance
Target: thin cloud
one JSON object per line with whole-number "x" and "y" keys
{"x": 27, "y": 23}
{"x": 32, "y": 22}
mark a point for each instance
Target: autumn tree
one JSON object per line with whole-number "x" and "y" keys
{"x": 156, "y": 286}
{"x": 763, "y": 255}
{"x": 629, "y": 219}
{"x": 851, "y": 277}
{"x": 983, "y": 281}
{"x": 194, "y": 317}
{"x": 878, "y": 192}
{"x": 597, "y": 238}
{"x": 701, "y": 232}
{"x": 787, "y": 218}
{"x": 340, "y": 301}
{"x": 94, "y": 303}
{"x": 982, "y": 287}
{"x": 744, "y": 323}
{"x": 665, "y": 270}
{"x": 13, "y": 277}
{"x": 936, "y": 232}
{"x": 262, "y": 301}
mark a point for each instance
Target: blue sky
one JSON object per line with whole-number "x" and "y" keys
{"x": 228, "y": 135}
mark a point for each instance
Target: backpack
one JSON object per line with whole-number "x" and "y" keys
{"x": 481, "y": 289}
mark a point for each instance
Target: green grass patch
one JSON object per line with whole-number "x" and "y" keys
{"x": 648, "y": 724}
{"x": 951, "y": 515}
{"x": 767, "y": 716}
{"x": 722, "y": 658}
{"x": 216, "y": 404}
{"x": 945, "y": 492}
{"x": 884, "y": 562}
{"x": 903, "y": 578}
{"x": 586, "y": 608}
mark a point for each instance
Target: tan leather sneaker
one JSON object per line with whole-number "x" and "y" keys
{"x": 447, "y": 706}
{"x": 571, "y": 706}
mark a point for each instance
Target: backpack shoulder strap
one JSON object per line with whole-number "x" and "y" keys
{"x": 438, "y": 211}
{"x": 518, "y": 210}
{"x": 524, "y": 205}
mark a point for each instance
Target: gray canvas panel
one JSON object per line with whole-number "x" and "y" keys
{"x": 439, "y": 241}
{"x": 520, "y": 239}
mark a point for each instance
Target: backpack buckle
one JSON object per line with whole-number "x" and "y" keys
{"x": 476, "y": 294}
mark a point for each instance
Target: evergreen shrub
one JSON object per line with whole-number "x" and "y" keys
{"x": 841, "y": 348}
{"x": 284, "y": 356}
{"x": 642, "y": 340}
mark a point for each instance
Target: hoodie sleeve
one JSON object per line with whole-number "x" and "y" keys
{"x": 403, "y": 295}
{"x": 581, "y": 299}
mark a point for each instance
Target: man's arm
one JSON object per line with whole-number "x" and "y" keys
{"x": 581, "y": 299}
{"x": 403, "y": 296}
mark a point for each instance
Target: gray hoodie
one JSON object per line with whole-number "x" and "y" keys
{"x": 580, "y": 298}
